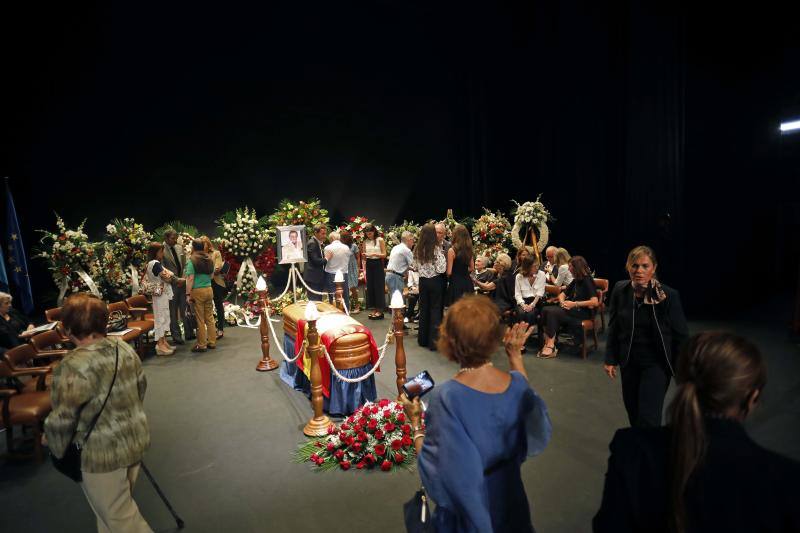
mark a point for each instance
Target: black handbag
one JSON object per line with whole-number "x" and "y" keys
{"x": 117, "y": 321}
{"x": 417, "y": 513}
{"x": 70, "y": 463}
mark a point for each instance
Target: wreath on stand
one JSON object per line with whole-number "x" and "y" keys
{"x": 529, "y": 218}
{"x": 123, "y": 255}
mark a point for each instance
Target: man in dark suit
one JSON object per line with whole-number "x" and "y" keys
{"x": 315, "y": 269}
{"x": 175, "y": 261}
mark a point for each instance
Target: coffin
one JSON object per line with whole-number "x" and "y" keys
{"x": 351, "y": 350}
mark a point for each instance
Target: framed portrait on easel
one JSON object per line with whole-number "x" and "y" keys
{"x": 291, "y": 244}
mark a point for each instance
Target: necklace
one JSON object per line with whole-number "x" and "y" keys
{"x": 471, "y": 368}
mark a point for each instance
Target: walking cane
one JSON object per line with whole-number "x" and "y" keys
{"x": 164, "y": 499}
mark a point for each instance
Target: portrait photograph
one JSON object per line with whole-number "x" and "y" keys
{"x": 291, "y": 244}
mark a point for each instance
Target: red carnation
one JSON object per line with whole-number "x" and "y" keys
{"x": 361, "y": 465}
{"x": 345, "y": 427}
{"x": 407, "y": 441}
{"x": 388, "y": 426}
{"x": 339, "y": 454}
{"x": 406, "y": 428}
{"x": 374, "y": 409}
{"x": 399, "y": 458}
{"x": 331, "y": 429}
{"x": 386, "y": 414}
{"x": 318, "y": 444}
{"x": 398, "y": 407}
{"x": 352, "y": 219}
{"x": 372, "y": 424}
{"x": 356, "y": 446}
{"x": 345, "y": 465}
{"x": 330, "y": 447}
{"x": 362, "y": 437}
{"x": 358, "y": 428}
{"x": 369, "y": 458}
{"x": 401, "y": 417}
{"x": 380, "y": 449}
{"x": 319, "y": 461}
{"x": 379, "y": 434}
{"x": 397, "y": 444}
{"x": 386, "y": 466}
{"x": 314, "y": 457}
{"x": 350, "y": 419}
{"x": 383, "y": 403}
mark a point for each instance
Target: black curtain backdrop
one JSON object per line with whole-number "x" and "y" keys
{"x": 638, "y": 122}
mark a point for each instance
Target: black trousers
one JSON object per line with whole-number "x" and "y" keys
{"x": 220, "y": 293}
{"x": 555, "y": 316}
{"x": 431, "y": 309}
{"x": 412, "y": 304}
{"x": 644, "y": 386}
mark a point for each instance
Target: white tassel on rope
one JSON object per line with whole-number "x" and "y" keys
{"x": 339, "y": 278}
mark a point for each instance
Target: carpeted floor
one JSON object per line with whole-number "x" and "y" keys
{"x": 223, "y": 435}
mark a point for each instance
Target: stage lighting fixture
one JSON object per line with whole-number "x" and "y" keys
{"x": 787, "y": 127}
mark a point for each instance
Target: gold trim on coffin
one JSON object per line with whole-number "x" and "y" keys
{"x": 352, "y": 350}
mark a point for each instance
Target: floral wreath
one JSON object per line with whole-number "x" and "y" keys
{"x": 527, "y": 215}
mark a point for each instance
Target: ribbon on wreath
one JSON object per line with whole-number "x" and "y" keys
{"x": 134, "y": 280}
{"x": 247, "y": 265}
{"x": 86, "y": 279}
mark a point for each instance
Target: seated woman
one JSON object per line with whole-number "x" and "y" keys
{"x": 483, "y": 273}
{"x": 529, "y": 286}
{"x": 575, "y": 306}
{"x": 481, "y": 425}
{"x": 702, "y": 472}
{"x": 560, "y": 276}
{"x": 14, "y": 326}
{"x": 501, "y": 288}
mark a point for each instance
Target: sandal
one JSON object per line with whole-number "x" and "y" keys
{"x": 551, "y": 355}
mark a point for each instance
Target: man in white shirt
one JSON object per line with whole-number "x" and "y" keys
{"x": 337, "y": 257}
{"x": 400, "y": 260}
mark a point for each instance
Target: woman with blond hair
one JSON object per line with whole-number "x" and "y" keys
{"x": 646, "y": 328}
{"x": 480, "y": 426}
{"x": 702, "y": 472}
{"x": 562, "y": 276}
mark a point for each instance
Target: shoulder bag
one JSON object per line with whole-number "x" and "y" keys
{"x": 70, "y": 463}
{"x": 149, "y": 288}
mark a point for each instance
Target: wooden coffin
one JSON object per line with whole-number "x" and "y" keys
{"x": 352, "y": 350}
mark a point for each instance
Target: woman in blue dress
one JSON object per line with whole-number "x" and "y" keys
{"x": 480, "y": 426}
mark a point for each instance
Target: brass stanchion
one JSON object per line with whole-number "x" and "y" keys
{"x": 397, "y": 306}
{"x": 319, "y": 423}
{"x": 267, "y": 363}
{"x": 338, "y": 279}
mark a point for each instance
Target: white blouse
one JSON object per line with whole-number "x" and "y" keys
{"x": 523, "y": 288}
{"x": 372, "y": 247}
{"x": 564, "y": 277}
{"x": 433, "y": 269}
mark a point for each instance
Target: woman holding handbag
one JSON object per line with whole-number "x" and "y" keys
{"x": 97, "y": 396}
{"x": 157, "y": 285}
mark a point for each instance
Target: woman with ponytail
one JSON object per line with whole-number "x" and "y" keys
{"x": 702, "y": 472}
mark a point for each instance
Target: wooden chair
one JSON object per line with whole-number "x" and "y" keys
{"x": 140, "y": 308}
{"x": 50, "y": 344}
{"x": 139, "y": 328}
{"x": 23, "y": 362}
{"x": 53, "y": 315}
{"x": 589, "y": 325}
{"x": 602, "y": 291}
{"x": 23, "y": 408}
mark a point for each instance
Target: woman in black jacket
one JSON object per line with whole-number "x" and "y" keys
{"x": 702, "y": 472}
{"x": 14, "y": 326}
{"x": 646, "y": 328}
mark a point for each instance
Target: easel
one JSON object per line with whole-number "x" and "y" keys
{"x": 534, "y": 243}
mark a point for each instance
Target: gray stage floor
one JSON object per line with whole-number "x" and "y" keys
{"x": 223, "y": 435}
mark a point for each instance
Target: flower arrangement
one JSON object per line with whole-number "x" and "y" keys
{"x": 69, "y": 253}
{"x": 287, "y": 299}
{"x": 125, "y": 246}
{"x": 449, "y": 223}
{"x": 492, "y": 234}
{"x": 393, "y": 235}
{"x": 528, "y": 217}
{"x": 246, "y": 239}
{"x": 376, "y": 435}
{"x": 355, "y": 225}
{"x": 305, "y": 212}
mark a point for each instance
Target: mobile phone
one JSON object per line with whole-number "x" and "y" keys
{"x": 418, "y": 385}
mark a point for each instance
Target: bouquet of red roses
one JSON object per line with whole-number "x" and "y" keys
{"x": 376, "y": 435}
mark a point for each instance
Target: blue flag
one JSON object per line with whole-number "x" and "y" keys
{"x": 17, "y": 263}
{"x": 3, "y": 276}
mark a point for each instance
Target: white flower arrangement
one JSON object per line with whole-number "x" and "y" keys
{"x": 528, "y": 216}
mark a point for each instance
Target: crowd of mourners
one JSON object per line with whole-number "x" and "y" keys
{"x": 699, "y": 472}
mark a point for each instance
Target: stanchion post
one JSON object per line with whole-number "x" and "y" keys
{"x": 338, "y": 279}
{"x": 398, "y": 307}
{"x": 319, "y": 423}
{"x": 267, "y": 363}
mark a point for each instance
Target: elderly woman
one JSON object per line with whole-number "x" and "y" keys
{"x": 646, "y": 328}
{"x": 702, "y": 472}
{"x": 575, "y": 305}
{"x": 156, "y": 274}
{"x": 14, "y": 326}
{"x": 481, "y": 425}
{"x": 100, "y": 369}
{"x": 501, "y": 288}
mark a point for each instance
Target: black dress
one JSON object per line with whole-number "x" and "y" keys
{"x": 376, "y": 281}
{"x": 460, "y": 282}
{"x": 11, "y": 328}
{"x": 555, "y": 316}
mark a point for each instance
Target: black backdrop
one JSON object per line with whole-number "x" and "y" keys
{"x": 639, "y": 122}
